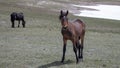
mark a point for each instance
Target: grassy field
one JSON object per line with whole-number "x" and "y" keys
{"x": 39, "y": 45}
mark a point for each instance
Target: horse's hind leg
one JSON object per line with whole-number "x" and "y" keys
{"x": 75, "y": 50}
{"x": 81, "y": 47}
{"x": 23, "y": 23}
{"x": 18, "y": 23}
{"x": 78, "y": 47}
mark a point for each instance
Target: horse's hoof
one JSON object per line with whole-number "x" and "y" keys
{"x": 62, "y": 61}
{"x": 77, "y": 62}
{"x": 12, "y": 27}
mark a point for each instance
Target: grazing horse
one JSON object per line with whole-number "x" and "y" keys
{"x": 74, "y": 31}
{"x": 19, "y": 17}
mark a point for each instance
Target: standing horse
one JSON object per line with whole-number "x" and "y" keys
{"x": 73, "y": 31}
{"x": 19, "y": 17}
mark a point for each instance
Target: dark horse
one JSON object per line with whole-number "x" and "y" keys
{"x": 19, "y": 17}
{"x": 73, "y": 31}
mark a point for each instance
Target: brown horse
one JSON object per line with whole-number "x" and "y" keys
{"x": 73, "y": 31}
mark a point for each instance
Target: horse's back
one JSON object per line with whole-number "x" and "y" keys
{"x": 79, "y": 26}
{"x": 20, "y": 15}
{"x": 79, "y": 23}
{"x": 17, "y": 16}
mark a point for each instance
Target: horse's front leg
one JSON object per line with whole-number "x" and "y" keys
{"x": 18, "y": 23}
{"x": 64, "y": 49}
{"x": 75, "y": 50}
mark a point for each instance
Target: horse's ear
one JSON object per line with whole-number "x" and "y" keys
{"x": 67, "y": 12}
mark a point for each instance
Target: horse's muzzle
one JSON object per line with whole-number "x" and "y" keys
{"x": 65, "y": 27}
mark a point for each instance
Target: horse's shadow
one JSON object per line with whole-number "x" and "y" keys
{"x": 55, "y": 63}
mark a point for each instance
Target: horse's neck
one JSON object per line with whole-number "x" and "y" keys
{"x": 66, "y": 32}
{"x": 70, "y": 25}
